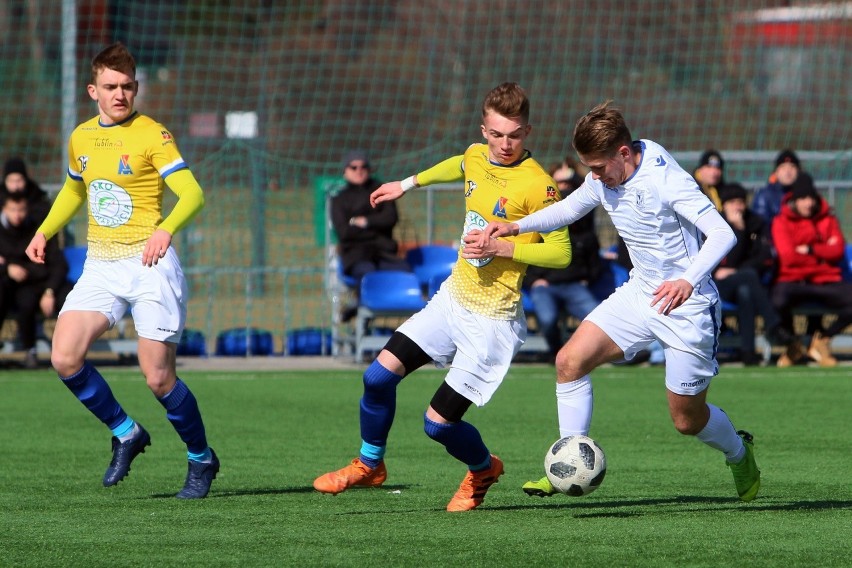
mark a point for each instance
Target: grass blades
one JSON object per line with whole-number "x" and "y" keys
{"x": 667, "y": 500}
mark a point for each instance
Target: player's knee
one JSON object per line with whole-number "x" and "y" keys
{"x": 378, "y": 378}
{"x": 687, "y": 424}
{"x": 66, "y": 363}
{"x": 435, "y": 430}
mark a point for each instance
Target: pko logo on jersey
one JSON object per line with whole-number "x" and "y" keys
{"x": 124, "y": 166}
{"x": 109, "y": 203}
{"x": 500, "y": 207}
{"x": 473, "y": 220}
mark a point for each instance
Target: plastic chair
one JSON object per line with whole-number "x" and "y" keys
{"x": 75, "y": 257}
{"x": 435, "y": 282}
{"x": 428, "y": 260}
{"x": 384, "y": 293}
{"x": 847, "y": 263}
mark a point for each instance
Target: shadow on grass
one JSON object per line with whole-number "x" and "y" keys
{"x": 214, "y": 494}
{"x": 643, "y": 506}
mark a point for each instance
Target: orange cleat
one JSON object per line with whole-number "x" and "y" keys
{"x": 474, "y": 486}
{"x": 355, "y": 474}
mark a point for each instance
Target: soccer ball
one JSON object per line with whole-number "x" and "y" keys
{"x": 575, "y": 465}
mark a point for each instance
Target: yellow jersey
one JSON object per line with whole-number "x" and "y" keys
{"x": 122, "y": 168}
{"x": 494, "y": 192}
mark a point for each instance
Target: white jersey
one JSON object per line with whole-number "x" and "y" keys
{"x": 655, "y": 211}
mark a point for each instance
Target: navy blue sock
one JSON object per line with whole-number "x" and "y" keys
{"x": 182, "y": 411}
{"x": 378, "y": 406}
{"x": 92, "y": 390}
{"x": 462, "y": 441}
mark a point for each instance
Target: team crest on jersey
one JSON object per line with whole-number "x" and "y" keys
{"x": 500, "y": 207}
{"x": 660, "y": 161}
{"x": 84, "y": 163}
{"x": 166, "y": 134}
{"x": 551, "y": 192}
{"x": 471, "y": 185}
{"x": 110, "y": 204}
{"x": 473, "y": 220}
{"x": 124, "y": 166}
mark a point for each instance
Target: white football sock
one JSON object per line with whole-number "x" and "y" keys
{"x": 721, "y": 434}
{"x": 574, "y": 403}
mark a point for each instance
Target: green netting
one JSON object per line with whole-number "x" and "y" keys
{"x": 264, "y": 97}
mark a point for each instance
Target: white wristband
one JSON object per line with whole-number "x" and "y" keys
{"x": 408, "y": 183}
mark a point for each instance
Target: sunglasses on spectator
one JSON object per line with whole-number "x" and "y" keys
{"x": 358, "y": 167}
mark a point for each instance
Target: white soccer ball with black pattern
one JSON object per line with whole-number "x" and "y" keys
{"x": 575, "y": 465}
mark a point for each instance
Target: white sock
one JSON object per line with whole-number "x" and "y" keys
{"x": 721, "y": 435}
{"x": 574, "y": 403}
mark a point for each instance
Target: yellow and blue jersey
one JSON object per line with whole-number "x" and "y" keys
{"x": 122, "y": 169}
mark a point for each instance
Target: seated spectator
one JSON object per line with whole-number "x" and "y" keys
{"x": 17, "y": 180}
{"x": 741, "y": 273}
{"x": 768, "y": 199}
{"x": 810, "y": 247}
{"x": 710, "y": 175}
{"x": 29, "y": 287}
{"x": 364, "y": 233}
{"x": 557, "y": 291}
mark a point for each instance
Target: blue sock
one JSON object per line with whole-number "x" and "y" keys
{"x": 462, "y": 441}
{"x": 378, "y": 406}
{"x": 123, "y": 430}
{"x": 182, "y": 411}
{"x": 92, "y": 390}
{"x": 204, "y": 457}
{"x": 371, "y": 455}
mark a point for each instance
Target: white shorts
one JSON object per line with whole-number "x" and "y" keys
{"x": 155, "y": 295}
{"x": 689, "y": 334}
{"x": 479, "y": 350}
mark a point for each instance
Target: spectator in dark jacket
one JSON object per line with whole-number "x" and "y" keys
{"x": 740, "y": 275}
{"x": 710, "y": 175}
{"x": 17, "y": 180}
{"x": 28, "y": 286}
{"x": 555, "y": 291}
{"x": 810, "y": 247}
{"x": 768, "y": 199}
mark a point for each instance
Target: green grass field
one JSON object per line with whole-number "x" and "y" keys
{"x": 667, "y": 500}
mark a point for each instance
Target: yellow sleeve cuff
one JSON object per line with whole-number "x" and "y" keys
{"x": 190, "y": 201}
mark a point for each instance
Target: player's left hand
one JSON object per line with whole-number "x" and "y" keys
{"x": 671, "y": 294}
{"x": 156, "y": 247}
{"x": 475, "y": 248}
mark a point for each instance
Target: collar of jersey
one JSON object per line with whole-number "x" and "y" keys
{"x": 524, "y": 156}
{"x": 128, "y": 119}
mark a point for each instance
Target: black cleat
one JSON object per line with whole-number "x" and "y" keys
{"x": 123, "y": 454}
{"x": 199, "y": 477}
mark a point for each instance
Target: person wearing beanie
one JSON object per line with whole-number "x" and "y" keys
{"x": 17, "y": 180}
{"x": 810, "y": 247}
{"x": 740, "y": 275}
{"x": 710, "y": 175}
{"x": 768, "y": 199}
{"x": 364, "y": 233}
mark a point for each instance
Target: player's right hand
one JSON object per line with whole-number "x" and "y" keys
{"x": 35, "y": 250}
{"x": 386, "y": 192}
{"x": 496, "y": 229}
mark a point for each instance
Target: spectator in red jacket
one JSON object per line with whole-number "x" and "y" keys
{"x": 810, "y": 248}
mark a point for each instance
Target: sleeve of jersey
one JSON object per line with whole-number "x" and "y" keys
{"x": 190, "y": 200}
{"x": 720, "y": 241}
{"x": 554, "y": 252}
{"x": 443, "y": 172}
{"x": 68, "y": 201}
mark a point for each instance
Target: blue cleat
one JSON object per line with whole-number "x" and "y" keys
{"x": 123, "y": 454}
{"x": 199, "y": 477}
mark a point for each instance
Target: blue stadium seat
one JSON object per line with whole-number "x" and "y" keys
{"x": 76, "y": 257}
{"x": 384, "y": 293}
{"x": 428, "y": 260}
{"x": 847, "y": 263}
{"x": 435, "y": 282}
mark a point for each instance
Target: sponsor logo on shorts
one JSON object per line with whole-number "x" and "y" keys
{"x": 691, "y": 384}
{"x": 167, "y": 330}
{"x": 471, "y": 388}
